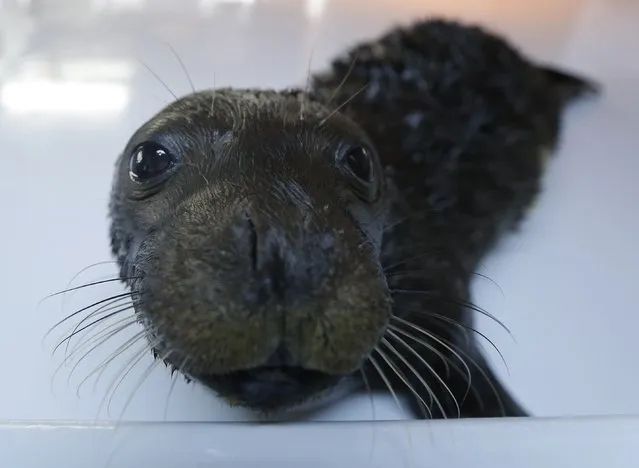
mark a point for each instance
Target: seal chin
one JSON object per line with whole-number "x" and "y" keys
{"x": 268, "y": 389}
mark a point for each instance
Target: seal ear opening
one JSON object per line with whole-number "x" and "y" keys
{"x": 570, "y": 87}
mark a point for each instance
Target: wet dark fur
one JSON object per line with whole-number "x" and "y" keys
{"x": 461, "y": 123}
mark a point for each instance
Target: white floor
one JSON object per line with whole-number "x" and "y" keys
{"x": 72, "y": 89}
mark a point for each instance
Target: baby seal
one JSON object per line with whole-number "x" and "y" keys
{"x": 278, "y": 242}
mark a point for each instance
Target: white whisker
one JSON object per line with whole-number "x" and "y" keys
{"x": 346, "y": 75}
{"x": 105, "y": 363}
{"x": 145, "y": 376}
{"x": 386, "y": 382}
{"x": 342, "y": 105}
{"x": 421, "y": 379}
{"x": 442, "y": 343}
{"x": 177, "y": 56}
{"x": 404, "y": 380}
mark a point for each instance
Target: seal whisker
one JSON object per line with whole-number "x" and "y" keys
{"x": 308, "y": 82}
{"x": 95, "y": 338}
{"x": 199, "y": 170}
{"x": 124, "y": 372}
{"x": 117, "y": 302}
{"x": 468, "y": 305}
{"x": 103, "y": 336}
{"x": 88, "y": 285}
{"x": 425, "y": 407}
{"x": 111, "y": 357}
{"x": 414, "y": 371}
{"x": 397, "y": 338}
{"x": 128, "y": 367}
{"x": 442, "y": 342}
{"x": 158, "y": 78}
{"x": 410, "y": 259}
{"x": 343, "y": 82}
{"x": 407, "y": 273}
{"x": 213, "y": 94}
{"x": 84, "y": 309}
{"x": 465, "y": 374}
{"x": 395, "y": 224}
{"x": 174, "y": 377}
{"x": 179, "y": 59}
{"x": 443, "y": 358}
{"x": 94, "y": 323}
{"x": 369, "y": 392}
{"x": 62, "y": 302}
{"x": 115, "y": 309}
{"x": 88, "y": 267}
{"x": 135, "y": 339}
{"x": 464, "y": 327}
{"x": 433, "y": 252}
{"x": 387, "y": 382}
{"x": 342, "y": 105}
{"x": 487, "y": 278}
{"x": 484, "y": 375}
{"x": 152, "y": 366}
{"x": 475, "y": 308}
{"x": 417, "y": 272}
{"x": 463, "y": 357}
{"x": 87, "y": 336}
{"x": 371, "y": 397}
{"x": 111, "y": 302}
{"x": 92, "y": 336}
{"x": 426, "y": 333}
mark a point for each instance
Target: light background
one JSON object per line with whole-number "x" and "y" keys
{"x": 72, "y": 92}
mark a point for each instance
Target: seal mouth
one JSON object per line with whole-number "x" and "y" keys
{"x": 269, "y": 388}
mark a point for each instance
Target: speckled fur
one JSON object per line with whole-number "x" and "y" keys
{"x": 460, "y": 121}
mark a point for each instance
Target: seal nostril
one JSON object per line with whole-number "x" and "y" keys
{"x": 264, "y": 257}
{"x": 252, "y": 233}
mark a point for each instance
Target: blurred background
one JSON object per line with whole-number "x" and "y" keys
{"x": 77, "y": 77}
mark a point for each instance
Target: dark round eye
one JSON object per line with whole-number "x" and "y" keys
{"x": 359, "y": 162}
{"x": 149, "y": 161}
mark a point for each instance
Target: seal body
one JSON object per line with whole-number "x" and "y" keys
{"x": 464, "y": 124}
{"x": 279, "y": 242}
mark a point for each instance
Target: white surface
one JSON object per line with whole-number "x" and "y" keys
{"x": 533, "y": 443}
{"x": 72, "y": 91}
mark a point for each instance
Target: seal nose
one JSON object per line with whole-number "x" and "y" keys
{"x": 284, "y": 259}
{"x": 271, "y": 259}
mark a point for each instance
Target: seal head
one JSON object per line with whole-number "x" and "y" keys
{"x": 248, "y": 224}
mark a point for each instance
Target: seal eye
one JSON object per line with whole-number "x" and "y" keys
{"x": 359, "y": 163}
{"x": 360, "y": 167}
{"x": 148, "y": 161}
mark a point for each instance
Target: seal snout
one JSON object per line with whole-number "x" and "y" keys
{"x": 269, "y": 285}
